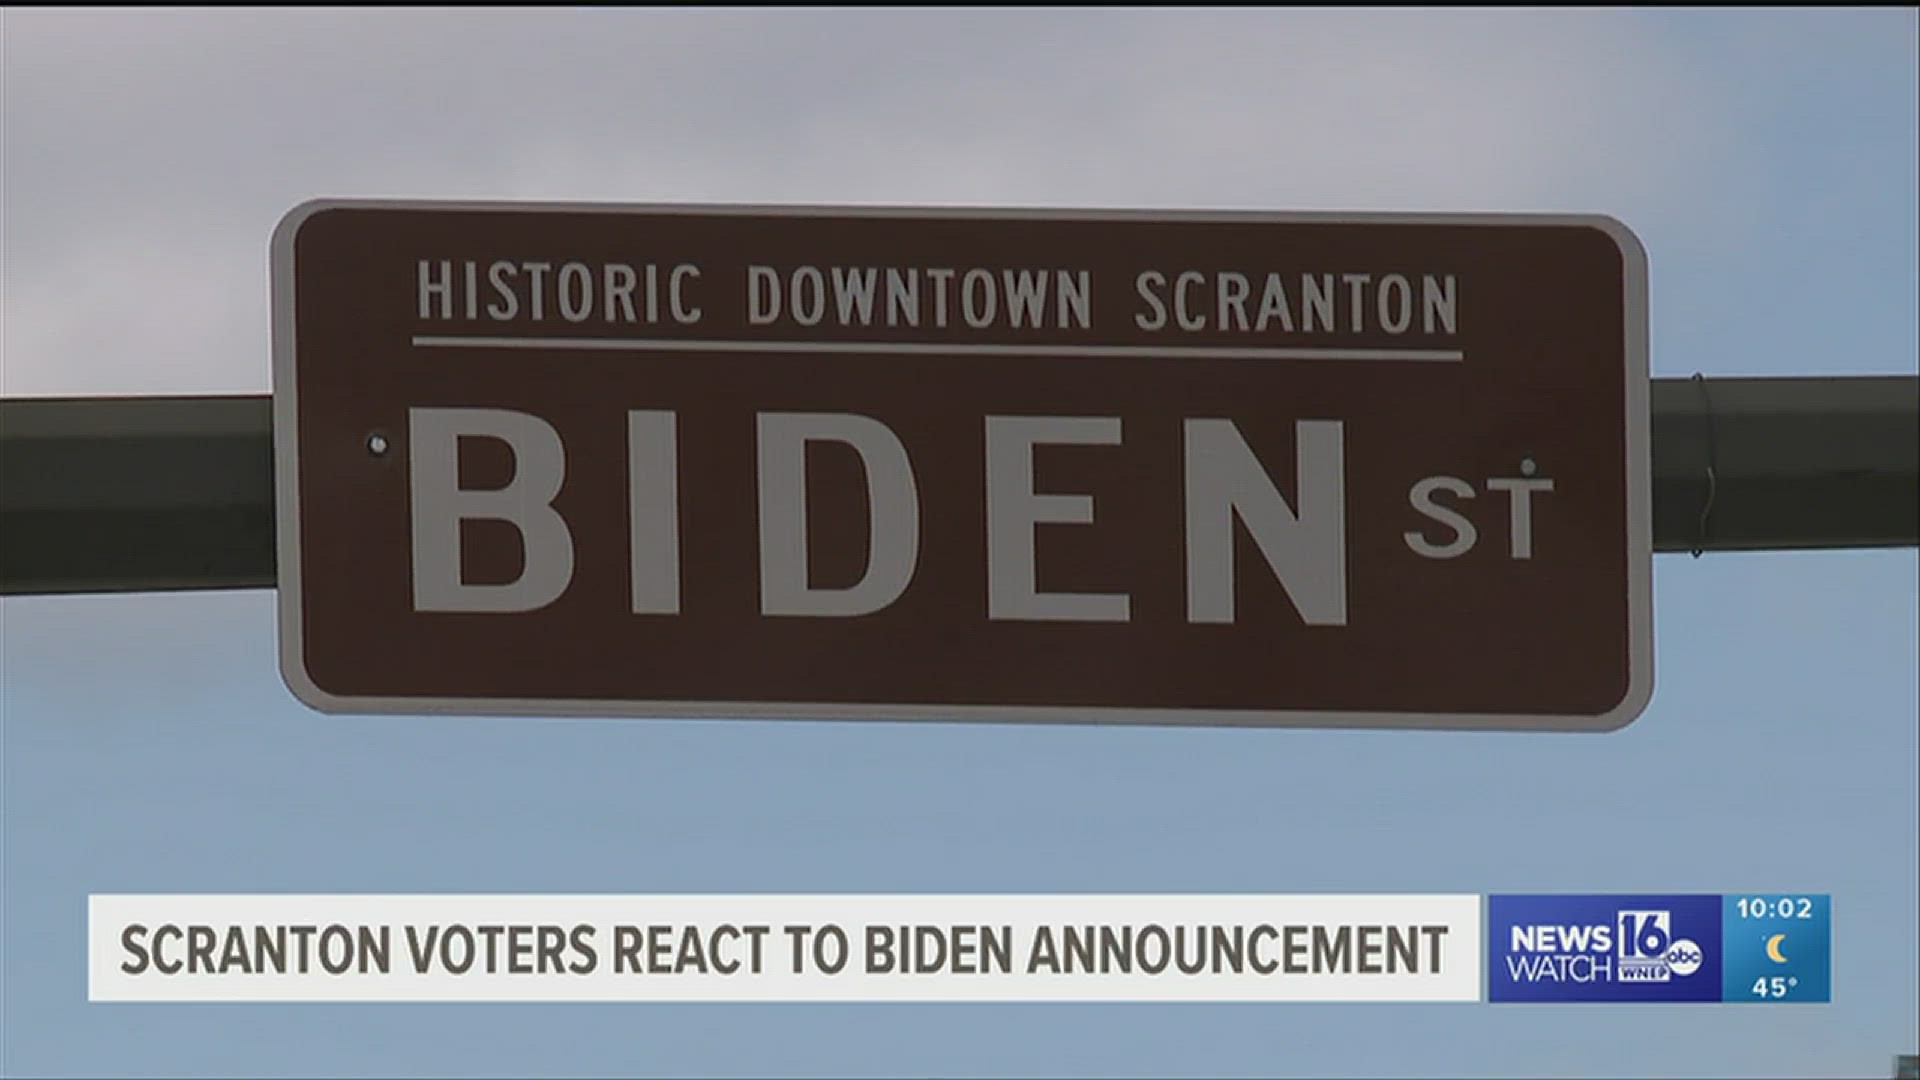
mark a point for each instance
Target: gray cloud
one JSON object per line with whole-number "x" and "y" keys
{"x": 148, "y": 154}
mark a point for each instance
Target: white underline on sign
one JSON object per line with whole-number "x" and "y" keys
{"x": 917, "y": 348}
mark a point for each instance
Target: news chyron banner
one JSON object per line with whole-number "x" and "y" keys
{"x": 794, "y": 948}
{"x": 1757, "y": 947}
{"x": 1696, "y": 948}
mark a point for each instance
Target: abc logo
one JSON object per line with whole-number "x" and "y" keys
{"x": 1683, "y": 957}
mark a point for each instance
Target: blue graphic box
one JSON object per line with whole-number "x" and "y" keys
{"x": 1779, "y": 947}
{"x": 1604, "y": 948}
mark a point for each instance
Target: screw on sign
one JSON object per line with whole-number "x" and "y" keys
{"x": 1377, "y": 470}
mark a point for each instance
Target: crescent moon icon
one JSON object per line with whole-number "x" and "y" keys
{"x": 1773, "y": 949}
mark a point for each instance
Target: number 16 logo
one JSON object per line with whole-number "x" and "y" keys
{"x": 1645, "y": 935}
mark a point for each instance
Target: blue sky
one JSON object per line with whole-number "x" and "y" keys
{"x": 1766, "y": 158}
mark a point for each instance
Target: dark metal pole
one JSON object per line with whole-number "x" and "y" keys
{"x": 149, "y": 494}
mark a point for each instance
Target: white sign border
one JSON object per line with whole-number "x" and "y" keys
{"x": 1638, "y": 465}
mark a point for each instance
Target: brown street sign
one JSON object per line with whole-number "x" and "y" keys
{"x": 1346, "y": 470}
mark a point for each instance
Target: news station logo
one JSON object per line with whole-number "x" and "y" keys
{"x": 1603, "y": 948}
